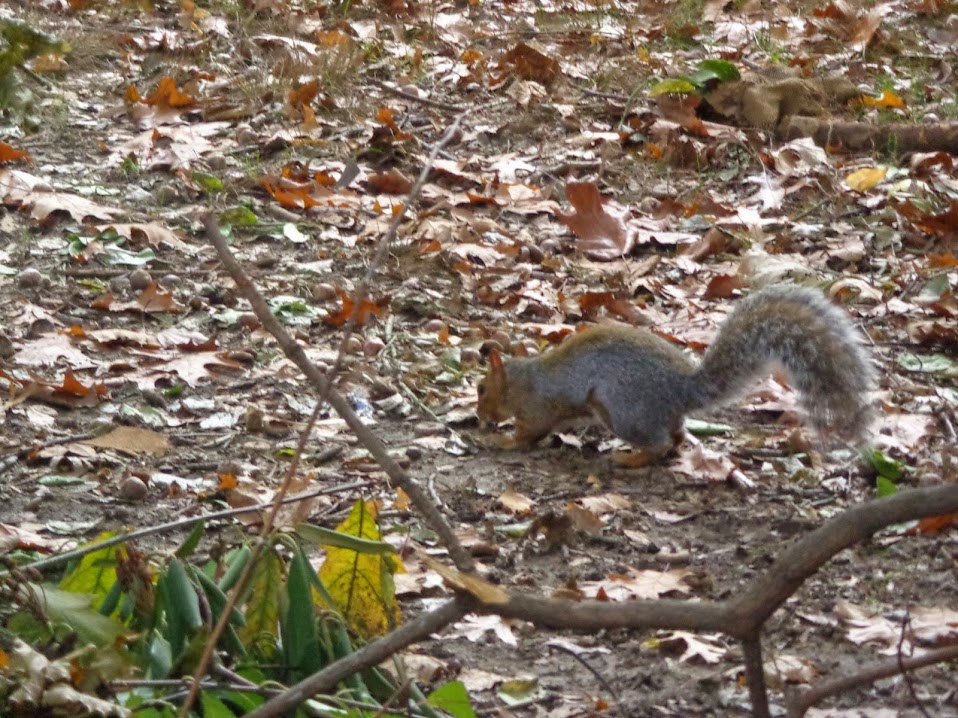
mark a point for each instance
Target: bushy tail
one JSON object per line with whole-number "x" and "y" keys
{"x": 814, "y": 340}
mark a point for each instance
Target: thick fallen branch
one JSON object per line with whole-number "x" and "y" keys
{"x": 739, "y": 617}
{"x": 800, "y": 701}
{"x": 762, "y": 597}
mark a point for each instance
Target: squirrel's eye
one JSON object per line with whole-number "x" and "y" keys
{"x": 481, "y": 389}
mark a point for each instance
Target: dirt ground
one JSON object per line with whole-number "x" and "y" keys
{"x": 501, "y": 272}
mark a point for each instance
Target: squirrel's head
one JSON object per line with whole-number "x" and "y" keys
{"x": 491, "y": 390}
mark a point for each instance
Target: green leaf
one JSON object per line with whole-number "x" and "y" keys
{"x": 192, "y": 541}
{"x": 209, "y": 183}
{"x": 519, "y": 691}
{"x": 73, "y": 610}
{"x": 236, "y": 562}
{"x": 112, "y": 600}
{"x": 116, "y": 256}
{"x": 676, "y": 85}
{"x": 300, "y": 638}
{"x": 937, "y": 364}
{"x": 213, "y": 707}
{"x": 239, "y": 217}
{"x": 886, "y": 487}
{"x": 707, "y": 428}
{"x": 322, "y": 536}
{"x": 884, "y": 466}
{"x": 95, "y": 574}
{"x": 262, "y": 607}
{"x": 161, "y": 657}
{"x": 453, "y": 698}
{"x": 180, "y": 604}
{"x": 720, "y": 69}
{"x": 217, "y": 598}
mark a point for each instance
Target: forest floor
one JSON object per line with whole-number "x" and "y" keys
{"x": 303, "y": 126}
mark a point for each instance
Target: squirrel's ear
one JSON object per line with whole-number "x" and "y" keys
{"x": 495, "y": 359}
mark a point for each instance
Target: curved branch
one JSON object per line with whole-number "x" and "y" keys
{"x": 800, "y": 701}
{"x": 741, "y": 617}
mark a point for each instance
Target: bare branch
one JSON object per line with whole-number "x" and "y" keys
{"x": 800, "y": 701}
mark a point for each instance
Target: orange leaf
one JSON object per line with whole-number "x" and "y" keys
{"x": 943, "y": 260}
{"x": 887, "y": 99}
{"x": 366, "y": 310}
{"x": 933, "y": 524}
{"x": 156, "y": 299}
{"x": 10, "y": 154}
{"x": 166, "y": 95}
{"x": 304, "y": 94}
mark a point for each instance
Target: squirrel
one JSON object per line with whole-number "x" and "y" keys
{"x": 641, "y": 387}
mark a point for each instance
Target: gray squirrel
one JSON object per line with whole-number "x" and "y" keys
{"x": 641, "y": 387}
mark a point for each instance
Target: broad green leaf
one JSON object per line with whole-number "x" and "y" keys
{"x": 96, "y": 572}
{"x": 361, "y": 584}
{"x": 722, "y": 69}
{"x": 262, "y": 607}
{"x": 213, "y": 707}
{"x": 886, "y": 487}
{"x": 300, "y": 637}
{"x": 884, "y": 466}
{"x": 701, "y": 77}
{"x": 453, "y": 698}
{"x": 67, "y": 608}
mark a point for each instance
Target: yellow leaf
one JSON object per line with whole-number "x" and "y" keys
{"x": 865, "y": 179}
{"x": 361, "y": 584}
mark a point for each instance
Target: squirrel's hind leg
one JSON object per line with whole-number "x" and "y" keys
{"x": 652, "y": 439}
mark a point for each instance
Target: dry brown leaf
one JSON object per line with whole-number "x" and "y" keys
{"x": 132, "y": 440}
{"x": 602, "y": 229}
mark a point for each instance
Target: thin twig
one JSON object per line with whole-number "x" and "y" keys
{"x": 67, "y": 556}
{"x": 9, "y": 460}
{"x": 900, "y": 660}
{"x": 439, "y": 105}
{"x": 598, "y": 676}
{"x": 327, "y": 392}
